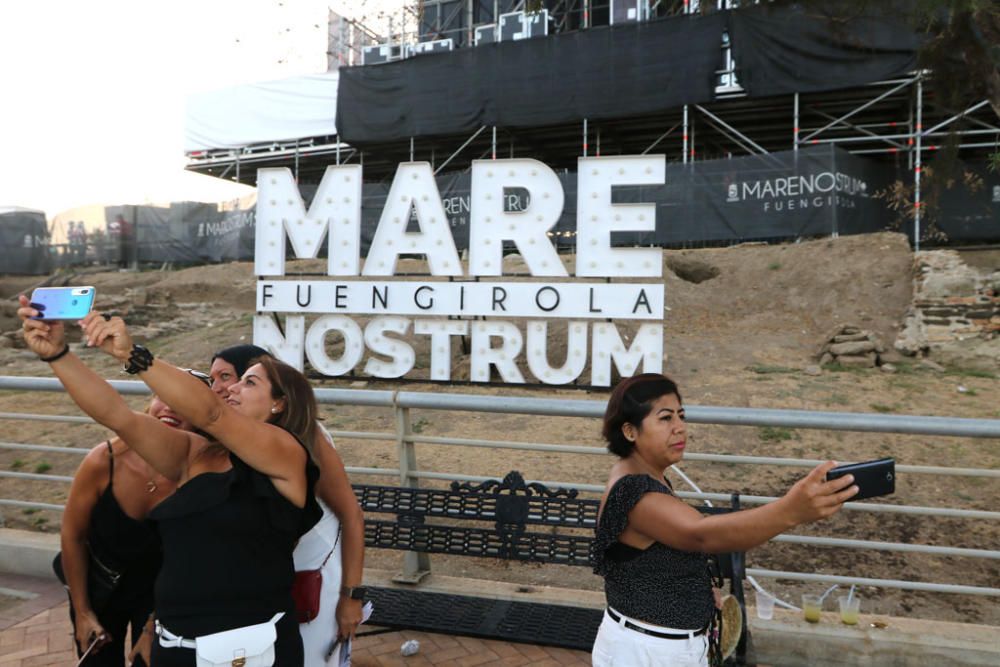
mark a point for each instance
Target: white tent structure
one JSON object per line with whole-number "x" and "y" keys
{"x": 255, "y": 114}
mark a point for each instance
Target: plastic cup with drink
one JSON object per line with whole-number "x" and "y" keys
{"x": 850, "y": 608}
{"x": 812, "y": 605}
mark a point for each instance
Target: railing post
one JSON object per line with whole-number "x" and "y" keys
{"x": 415, "y": 565}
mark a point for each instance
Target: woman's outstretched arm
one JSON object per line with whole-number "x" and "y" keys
{"x": 674, "y": 523}
{"x": 164, "y": 448}
{"x": 264, "y": 447}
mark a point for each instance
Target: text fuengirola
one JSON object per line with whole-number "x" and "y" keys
{"x": 587, "y": 304}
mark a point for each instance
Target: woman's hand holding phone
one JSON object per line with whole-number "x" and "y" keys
{"x": 44, "y": 338}
{"x": 814, "y": 497}
{"x": 110, "y": 335}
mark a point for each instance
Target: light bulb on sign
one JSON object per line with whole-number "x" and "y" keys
{"x": 399, "y": 351}
{"x": 503, "y": 357}
{"x": 538, "y": 363}
{"x": 288, "y": 347}
{"x": 316, "y": 345}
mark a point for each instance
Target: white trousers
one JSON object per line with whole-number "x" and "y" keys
{"x": 321, "y": 632}
{"x": 619, "y": 646}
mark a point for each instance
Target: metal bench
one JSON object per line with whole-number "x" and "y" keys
{"x": 429, "y": 521}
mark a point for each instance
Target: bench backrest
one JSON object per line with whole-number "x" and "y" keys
{"x": 512, "y": 505}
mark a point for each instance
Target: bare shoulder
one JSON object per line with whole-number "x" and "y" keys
{"x": 95, "y": 469}
{"x": 99, "y": 454}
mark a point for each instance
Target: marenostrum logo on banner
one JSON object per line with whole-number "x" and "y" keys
{"x": 802, "y": 191}
{"x": 508, "y": 319}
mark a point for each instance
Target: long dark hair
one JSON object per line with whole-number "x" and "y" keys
{"x": 630, "y": 403}
{"x": 299, "y": 415}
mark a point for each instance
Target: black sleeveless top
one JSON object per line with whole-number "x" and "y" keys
{"x": 228, "y": 539}
{"x": 127, "y": 545}
{"x": 659, "y": 584}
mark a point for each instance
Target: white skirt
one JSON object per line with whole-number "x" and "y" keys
{"x": 619, "y": 646}
{"x": 319, "y": 634}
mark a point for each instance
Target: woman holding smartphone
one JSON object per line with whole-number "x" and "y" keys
{"x": 335, "y": 545}
{"x": 651, "y": 547}
{"x": 244, "y": 491}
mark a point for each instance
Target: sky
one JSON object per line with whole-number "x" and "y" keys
{"x": 92, "y": 93}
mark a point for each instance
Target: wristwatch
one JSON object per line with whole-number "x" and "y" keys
{"x": 355, "y": 593}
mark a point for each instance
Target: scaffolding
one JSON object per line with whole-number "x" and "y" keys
{"x": 900, "y": 121}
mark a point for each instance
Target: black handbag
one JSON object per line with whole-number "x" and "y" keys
{"x": 102, "y": 580}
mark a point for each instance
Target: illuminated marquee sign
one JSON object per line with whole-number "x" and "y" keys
{"x": 441, "y": 306}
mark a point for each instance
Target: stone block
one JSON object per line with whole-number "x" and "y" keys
{"x": 858, "y": 360}
{"x": 848, "y": 338}
{"x": 853, "y": 348}
{"x": 949, "y": 284}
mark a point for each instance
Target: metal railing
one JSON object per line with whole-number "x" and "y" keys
{"x": 409, "y": 474}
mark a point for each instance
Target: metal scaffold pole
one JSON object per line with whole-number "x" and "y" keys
{"x": 918, "y": 161}
{"x": 795, "y": 125}
{"x": 684, "y": 157}
{"x": 584, "y": 137}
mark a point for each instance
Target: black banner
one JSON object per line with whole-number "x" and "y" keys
{"x": 794, "y": 49}
{"x": 643, "y": 67}
{"x": 24, "y": 243}
{"x": 812, "y": 192}
{"x": 619, "y": 71}
{"x": 967, "y": 212}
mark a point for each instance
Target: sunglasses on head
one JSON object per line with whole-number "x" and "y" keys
{"x": 198, "y": 374}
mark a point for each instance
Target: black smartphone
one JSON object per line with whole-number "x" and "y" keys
{"x": 873, "y": 478}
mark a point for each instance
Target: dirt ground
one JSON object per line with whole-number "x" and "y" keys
{"x": 741, "y": 338}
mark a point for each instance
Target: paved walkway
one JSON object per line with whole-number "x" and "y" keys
{"x": 37, "y": 632}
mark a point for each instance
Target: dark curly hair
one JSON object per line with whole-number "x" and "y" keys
{"x": 630, "y": 403}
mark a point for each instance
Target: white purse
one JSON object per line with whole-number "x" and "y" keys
{"x": 249, "y": 646}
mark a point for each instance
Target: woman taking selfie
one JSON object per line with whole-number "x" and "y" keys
{"x": 110, "y": 552}
{"x": 335, "y": 545}
{"x": 651, "y": 547}
{"x": 244, "y": 496}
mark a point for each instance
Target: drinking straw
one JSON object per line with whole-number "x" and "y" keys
{"x": 828, "y": 591}
{"x": 850, "y": 594}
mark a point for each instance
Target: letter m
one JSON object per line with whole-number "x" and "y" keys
{"x": 335, "y": 207}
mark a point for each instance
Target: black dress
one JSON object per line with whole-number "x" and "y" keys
{"x": 227, "y": 559}
{"x": 128, "y": 546}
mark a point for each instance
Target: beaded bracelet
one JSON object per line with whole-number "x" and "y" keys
{"x": 140, "y": 360}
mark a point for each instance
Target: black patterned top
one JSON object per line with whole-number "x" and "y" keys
{"x": 659, "y": 584}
